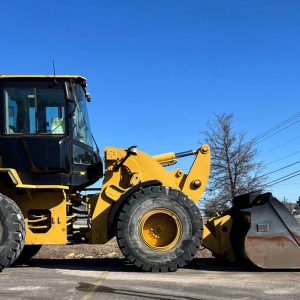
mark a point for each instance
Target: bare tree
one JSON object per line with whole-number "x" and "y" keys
{"x": 234, "y": 169}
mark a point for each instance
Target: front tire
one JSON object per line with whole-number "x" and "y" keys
{"x": 159, "y": 229}
{"x": 12, "y": 232}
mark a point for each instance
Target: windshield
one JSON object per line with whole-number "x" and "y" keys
{"x": 32, "y": 110}
{"x": 82, "y": 132}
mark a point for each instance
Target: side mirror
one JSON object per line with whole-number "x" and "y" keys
{"x": 88, "y": 97}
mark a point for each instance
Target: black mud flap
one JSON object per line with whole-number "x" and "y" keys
{"x": 273, "y": 238}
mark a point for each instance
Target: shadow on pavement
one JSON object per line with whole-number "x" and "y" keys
{"x": 92, "y": 288}
{"x": 121, "y": 265}
{"x": 212, "y": 264}
{"x": 91, "y": 264}
{"x": 124, "y": 293}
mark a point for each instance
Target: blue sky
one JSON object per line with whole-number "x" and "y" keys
{"x": 159, "y": 70}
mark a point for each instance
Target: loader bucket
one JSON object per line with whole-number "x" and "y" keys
{"x": 273, "y": 238}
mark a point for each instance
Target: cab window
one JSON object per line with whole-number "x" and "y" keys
{"x": 82, "y": 132}
{"x": 34, "y": 110}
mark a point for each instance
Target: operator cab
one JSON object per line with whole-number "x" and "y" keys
{"x": 45, "y": 133}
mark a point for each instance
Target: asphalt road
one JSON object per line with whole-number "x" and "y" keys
{"x": 115, "y": 279}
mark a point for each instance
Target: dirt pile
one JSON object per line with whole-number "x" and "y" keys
{"x": 108, "y": 250}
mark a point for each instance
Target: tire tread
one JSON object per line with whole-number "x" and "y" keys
{"x": 190, "y": 251}
{"x": 16, "y": 235}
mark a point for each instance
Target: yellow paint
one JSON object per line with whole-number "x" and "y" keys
{"x": 19, "y": 184}
{"x": 55, "y": 202}
{"x": 199, "y": 171}
{"x": 39, "y": 197}
{"x": 160, "y": 229}
{"x": 145, "y": 168}
{"x": 50, "y": 200}
{"x": 3, "y": 76}
{"x": 166, "y": 159}
{"x": 93, "y": 288}
{"x": 216, "y": 237}
{"x": 136, "y": 169}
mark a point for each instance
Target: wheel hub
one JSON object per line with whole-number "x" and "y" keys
{"x": 160, "y": 229}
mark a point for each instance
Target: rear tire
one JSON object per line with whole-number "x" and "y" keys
{"x": 28, "y": 252}
{"x": 159, "y": 229}
{"x": 12, "y": 231}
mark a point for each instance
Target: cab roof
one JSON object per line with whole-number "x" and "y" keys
{"x": 78, "y": 77}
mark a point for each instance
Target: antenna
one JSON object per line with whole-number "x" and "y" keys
{"x": 54, "y": 74}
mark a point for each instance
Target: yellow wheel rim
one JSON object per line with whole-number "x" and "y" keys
{"x": 160, "y": 229}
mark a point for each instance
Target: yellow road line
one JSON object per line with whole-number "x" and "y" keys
{"x": 94, "y": 287}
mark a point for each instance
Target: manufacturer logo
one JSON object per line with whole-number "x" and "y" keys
{"x": 263, "y": 227}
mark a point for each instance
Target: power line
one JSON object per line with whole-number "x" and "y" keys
{"x": 291, "y": 118}
{"x": 284, "y": 178}
{"x": 276, "y": 129}
{"x": 278, "y": 126}
{"x": 282, "y": 158}
{"x": 273, "y": 182}
{"x": 288, "y": 184}
{"x": 272, "y": 132}
{"x": 285, "y": 167}
{"x": 281, "y": 145}
{"x": 282, "y": 129}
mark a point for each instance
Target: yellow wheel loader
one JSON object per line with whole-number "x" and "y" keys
{"x": 47, "y": 162}
{"x": 49, "y": 159}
